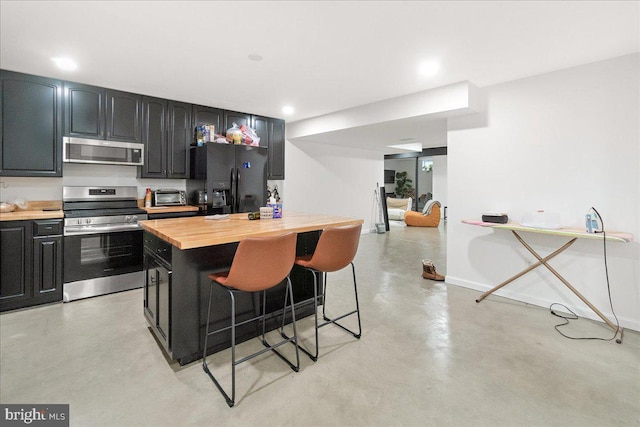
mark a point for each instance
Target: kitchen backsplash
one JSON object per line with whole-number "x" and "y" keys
{"x": 85, "y": 174}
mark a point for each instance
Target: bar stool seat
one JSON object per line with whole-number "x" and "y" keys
{"x": 336, "y": 249}
{"x": 258, "y": 265}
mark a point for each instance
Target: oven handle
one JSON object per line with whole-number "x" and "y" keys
{"x": 92, "y": 229}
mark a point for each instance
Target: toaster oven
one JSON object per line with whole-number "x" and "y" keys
{"x": 169, "y": 197}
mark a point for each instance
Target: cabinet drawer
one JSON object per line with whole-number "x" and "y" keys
{"x": 47, "y": 228}
{"x": 158, "y": 247}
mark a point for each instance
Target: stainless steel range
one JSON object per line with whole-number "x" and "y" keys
{"x": 102, "y": 241}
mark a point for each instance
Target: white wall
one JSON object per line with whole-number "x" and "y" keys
{"x": 332, "y": 180}
{"x": 563, "y": 142}
{"x": 439, "y": 177}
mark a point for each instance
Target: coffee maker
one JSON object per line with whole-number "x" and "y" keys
{"x": 219, "y": 203}
{"x": 210, "y": 202}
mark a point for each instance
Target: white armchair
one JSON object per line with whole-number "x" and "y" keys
{"x": 397, "y": 207}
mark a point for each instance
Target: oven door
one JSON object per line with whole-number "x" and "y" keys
{"x": 90, "y": 256}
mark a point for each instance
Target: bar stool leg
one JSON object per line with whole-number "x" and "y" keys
{"x": 294, "y": 339}
{"x": 230, "y": 400}
{"x": 356, "y": 311}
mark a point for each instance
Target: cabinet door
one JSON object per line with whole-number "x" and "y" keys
{"x": 208, "y": 116}
{"x": 150, "y": 289}
{"x": 154, "y": 137}
{"x": 15, "y": 262}
{"x": 164, "y": 301}
{"x": 276, "y": 149}
{"x": 84, "y": 109}
{"x": 47, "y": 269}
{"x": 124, "y": 112}
{"x": 261, "y": 126}
{"x": 30, "y": 125}
{"x": 231, "y": 117}
{"x": 179, "y": 139}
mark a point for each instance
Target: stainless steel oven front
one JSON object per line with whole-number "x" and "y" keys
{"x": 102, "y": 263}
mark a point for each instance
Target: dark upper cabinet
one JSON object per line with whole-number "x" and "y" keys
{"x": 124, "y": 112}
{"x": 154, "y": 137}
{"x": 261, "y": 126}
{"x": 30, "y": 125}
{"x": 84, "y": 111}
{"x": 166, "y": 135}
{"x": 231, "y": 117}
{"x": 271, "y": 133}
{"x": 208, "y": 116}
{"x": 179, "y": 139}
{"x": 99, "y": 113}
{"x": 276, "y": 149}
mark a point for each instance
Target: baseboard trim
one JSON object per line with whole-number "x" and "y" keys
{"x": 582, "y": 311}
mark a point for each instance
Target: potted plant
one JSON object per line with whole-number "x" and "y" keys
{"x": 404, "y": 188}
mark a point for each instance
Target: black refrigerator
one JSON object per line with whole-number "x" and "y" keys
{"x": 234, "y": 177}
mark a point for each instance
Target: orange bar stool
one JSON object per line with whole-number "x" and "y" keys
{"x": 259, "y": 264}
{"x": 336, "y": 249}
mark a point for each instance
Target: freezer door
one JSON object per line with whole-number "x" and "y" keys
{"x": 220, "y": 165}
{"x": 251, "y": 174}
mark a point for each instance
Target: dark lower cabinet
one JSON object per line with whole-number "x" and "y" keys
{"x": 30, "y": 263}
{"x": 30, "y": 125}
{"x": 157, "y": 288}
{"x": 16, "y": 281}
{"x": 47, "y": 268}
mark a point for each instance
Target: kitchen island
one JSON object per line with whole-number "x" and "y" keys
{"x": 180, "y": 253}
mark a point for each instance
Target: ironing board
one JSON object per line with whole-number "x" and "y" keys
{"x": 573, "y": 234}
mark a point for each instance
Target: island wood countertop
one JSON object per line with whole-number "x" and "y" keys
{"x": 198, "y": 232}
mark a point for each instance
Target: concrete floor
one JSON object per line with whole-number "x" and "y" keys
{"x": 429, "y": 355}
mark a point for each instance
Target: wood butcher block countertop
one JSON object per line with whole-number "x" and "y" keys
{"x": 198, "y": 232}
{"x": 35, "y": 211}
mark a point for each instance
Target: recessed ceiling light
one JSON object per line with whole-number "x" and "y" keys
{"x": 287, "y": 109}
{"x": 255, "y": 57}
{"x": 429, "y": 68}
{"x": 66, "y": 64}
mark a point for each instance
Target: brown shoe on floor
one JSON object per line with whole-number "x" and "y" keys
{"x": 429, "y": 271}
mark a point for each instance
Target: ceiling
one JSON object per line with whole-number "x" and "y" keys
{"x": 319, "y": 57}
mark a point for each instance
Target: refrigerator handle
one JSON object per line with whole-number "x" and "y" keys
{"x": 237, "y": 189}
{"x": 232, "y": 191}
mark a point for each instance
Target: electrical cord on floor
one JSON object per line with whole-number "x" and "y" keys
{"x": 574, "y": 315}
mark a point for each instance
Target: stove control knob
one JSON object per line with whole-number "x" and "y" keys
{"x": 134, "y": 218}
{"x": 88, "y": 221}
{"x": 127, "y": 218}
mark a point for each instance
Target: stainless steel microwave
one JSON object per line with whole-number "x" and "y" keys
{"x": 81, "y": 150}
